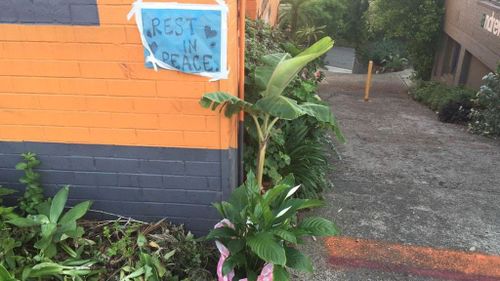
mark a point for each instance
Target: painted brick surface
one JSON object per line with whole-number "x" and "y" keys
{"x": 142, "y": 182}
{"x": 70, "y": 12}
{"x": 88, "y": 85}
{"x": 74, "y": 89}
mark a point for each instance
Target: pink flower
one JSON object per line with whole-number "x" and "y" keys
{"x": 267, "y": 271}
{"x": 317, "y": 74}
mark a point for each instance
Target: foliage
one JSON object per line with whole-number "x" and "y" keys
{"x": 33, "y": 195}
{"x": 308, "y": 34}
{"x": 263, "y": 228}
{"x": 453, "y": 104}
{"x": 261, "y": 39}
{"x": 327, "y": 13}
{"x": 304, "y": 142}
{"x": 486, "y": 112}
{"x": 55, "y": 227}
{"x": 303, "y": 89}
{"x": 30, "y": 243}
{"x": 355, "y": 26}
{"x": 272, "y": 79}
{"x": 394, "y": 63}
{"x": 382, "y": 49}
{"x": 50, "y": 244}
{"x": 293, "y": 15}
{"x": 416, "y": 22}
{"x": 342, "y": 19}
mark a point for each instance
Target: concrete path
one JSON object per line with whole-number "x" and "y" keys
{"x": 406, "y": 179}
{"x": 340, "y": 59}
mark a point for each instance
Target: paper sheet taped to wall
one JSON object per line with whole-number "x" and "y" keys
{"x": 191, "y": 38}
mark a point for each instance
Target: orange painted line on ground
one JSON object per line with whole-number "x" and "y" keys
{"x": 424, "y": 261}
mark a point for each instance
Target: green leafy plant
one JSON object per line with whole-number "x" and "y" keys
{"x": 485, "y": 115}
{"x": 381, "y": 49}
{"x": 264, "y": 229}
{"x": 418, "y": 23}
{"x": 55, "y": 227}
{"x": 33, "y": 195}
{"x": 147, "y": 268}
{"x": 5, "y": 212}
{"x": 293, "y": 15}
{"x": 307, "y": 34}
{"x": 452, "y": 104}
{"x": 273, "y": 78}
{"x": 50, "y": 244}
{"x": 394, "y": 63}
{"x": 304, "y": 143}
{"x": 5, "y": 275}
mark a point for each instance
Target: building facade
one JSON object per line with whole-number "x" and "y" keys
{"x": 75, "y": 90}
{"x": 470, "y": 48}
{"x": 266, "y": 10}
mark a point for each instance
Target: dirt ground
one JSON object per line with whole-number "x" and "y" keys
{"x": 405, "y": 177}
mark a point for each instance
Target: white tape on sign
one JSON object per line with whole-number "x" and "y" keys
{"x": 139, "y": 5}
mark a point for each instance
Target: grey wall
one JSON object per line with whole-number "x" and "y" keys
{"x": 146, "y": 183}
{"x": 68, "y": 12}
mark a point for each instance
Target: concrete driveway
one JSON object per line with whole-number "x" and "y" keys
{"x": 411, "y": 182}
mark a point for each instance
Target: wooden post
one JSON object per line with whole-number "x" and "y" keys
{"x": 368, "y": 81}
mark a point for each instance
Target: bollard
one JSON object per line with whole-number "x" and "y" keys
{"x": 368, "y": 81}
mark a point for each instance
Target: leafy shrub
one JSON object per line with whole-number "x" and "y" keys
{"x": 394, "y": 63}
{"x": 383, "y": 49}
{"x": 262, "y": 229}
{"x": 304, "y": 143}
{"x": 486, "y": 112}
{"x": 303, "y": 88}
{"x": 418, "y": 23}
{"x": 273, "y": 105}
{"x": 50, "y": 244}
{"x": 453, "y": 104}
{"x": 33, "y": 194}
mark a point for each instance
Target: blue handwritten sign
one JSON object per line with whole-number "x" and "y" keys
{"x": 186, "y": 40}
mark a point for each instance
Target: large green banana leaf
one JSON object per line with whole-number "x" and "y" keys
{"x": 324, "y": 114}
{"x": 280, "y": 69}
{"x": 280, "y": 106}
{"x": 230, "y": 104}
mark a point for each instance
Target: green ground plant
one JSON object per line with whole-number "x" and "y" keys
{"x": 418, "y": 23}
{"x": 33, "y": 194}
{"x": 485, "y": 115}
{"x": 52, "y": 244}
{"x": 452, "y": 104}
{"x": 264, "y": 229}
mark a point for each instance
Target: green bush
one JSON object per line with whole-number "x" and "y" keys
{"x": 452, "y": 104}
{"x": 43, "y": 242}
{"x": 418, "y": 23}
{"x": 486, "y": 112}
{"x": 264, "y": 229}
{"x": 382, "y": 49}
{"x": 262, "y": 39}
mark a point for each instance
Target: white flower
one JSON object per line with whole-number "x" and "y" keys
{"x": 283, "y": 212}
{"x": 292, "y": 191}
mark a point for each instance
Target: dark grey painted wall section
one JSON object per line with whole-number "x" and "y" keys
{"x": 146, "y": 183}
{"x": 67, "y": 12}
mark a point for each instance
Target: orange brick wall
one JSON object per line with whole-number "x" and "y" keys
{"x": 266, "y": 10}
{"x": 88, "y": 84}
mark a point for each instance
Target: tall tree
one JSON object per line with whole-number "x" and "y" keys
{"x": 418, "y": 22}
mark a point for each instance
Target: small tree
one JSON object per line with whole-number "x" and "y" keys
{"x": 273, "y": 78}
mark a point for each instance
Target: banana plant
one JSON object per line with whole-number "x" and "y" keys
{"x": 55, "y": 227}
{"x": 273, "y": 78}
